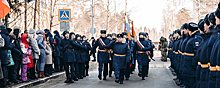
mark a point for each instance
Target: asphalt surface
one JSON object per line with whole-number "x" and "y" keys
{"x": 159, "y": 77}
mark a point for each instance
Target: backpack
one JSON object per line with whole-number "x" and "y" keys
{"x": 2, "y": 41}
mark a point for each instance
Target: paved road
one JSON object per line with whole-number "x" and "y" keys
{"x": 159, "y": 77}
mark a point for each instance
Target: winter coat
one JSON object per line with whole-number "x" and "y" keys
{"x": 34, "y": 47}
{"x": 48, "y": 52}
{"x": 26, "y": 53}
{"x": 24, "y": 41}
{"x": 56, "y": 43}
{"x": 86, "y": 52}
{"x": 103, "y": 55}
{"x": 120, "y": 48}
{"x": 16, "y": 49}
{"x": 4, "y": 50}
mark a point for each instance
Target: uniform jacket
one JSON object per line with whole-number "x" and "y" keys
{"x": 142, "y": 56}
{"x": 120, "y": 48}
{"x": 56, "y": 44}
{"x": 86, "y": 52}
{"x": 191, "y": 48}
{"x": 103, "y": 55}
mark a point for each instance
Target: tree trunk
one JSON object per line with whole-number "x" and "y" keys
{"x": 35, "y": 12}
{"x": 25, "y": 16}
{"x": 51, "y": 14}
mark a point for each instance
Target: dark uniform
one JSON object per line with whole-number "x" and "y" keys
{"x": 93, "y": 43}
{"x": 190, "y": 63}
{"x": 110, "y": 58}
{"x": 140, "y": 51}
{"x": 59, "y": 62}
{"x": 86, "y": 55}
{"x": 121, "y": 57}
{"x": 103, "y": 54}
{"x": 217, "y": 14}
{"x": 67, "y": 46}
{"x": 211, "y": 48}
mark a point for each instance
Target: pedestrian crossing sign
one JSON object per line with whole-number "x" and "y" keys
{"x": 64, "y": 14}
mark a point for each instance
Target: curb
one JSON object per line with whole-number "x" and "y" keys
{"x": 36, "y": 82}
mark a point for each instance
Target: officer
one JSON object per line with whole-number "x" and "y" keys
{"x": 103, "y": 54}
{"x": 121, "y": 57}
{"x": 212, "y": 48}
{"x": 93, "y": 43}
{"x": 190, "y": 62}
{"x": 140, "y": 51}
{"x": 170, "y": 51}
{"x": 109, "y": 36}
{"x": 133, "y": 65}
{"x": 203, "y": 55}
{"x": 217, "y": 17}
{"x": 67, "y": 46}
{"x": 86, "y": 54}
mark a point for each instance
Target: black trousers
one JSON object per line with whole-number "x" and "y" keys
{"x": 17, "y": 69}
{"x": 61, "y": 64}
{"x": 69, "y": 68}
{"x": 121, "y": 75}
{"x": 94, "y": 56}
{"x": 5, "y": 71}
{"x": 87, "y": 67}
{"x": 11, "y": 73}
{"x": 76, "y": 69}
{"x": 145, "y": 69}
{"x": 81, "y": 69}
{"x": 110, "y": 68}
{"x": 127, "y": 70}
{"x": 48, "y": 69}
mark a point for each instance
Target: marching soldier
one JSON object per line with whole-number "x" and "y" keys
{"x": 140, "y": 51}
{"x": 103, "y": 54}
{"x": 190, "y": 62}
{"x": 93, "y": 43}
{"x": 67, "y": 46}
{"x": 86, "y": 54}
{"x": 121, "y": 57}
{"x": 130, "y": 47}
{"x": 109, "y": 36}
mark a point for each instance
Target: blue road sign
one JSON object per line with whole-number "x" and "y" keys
{"x": 64, "y": 14}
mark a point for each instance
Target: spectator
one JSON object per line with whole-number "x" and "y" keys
{"x": 48, "y": 58}
{"x": 41, "y": 60}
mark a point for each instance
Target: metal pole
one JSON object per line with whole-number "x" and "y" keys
{"x": 92, "y": 19}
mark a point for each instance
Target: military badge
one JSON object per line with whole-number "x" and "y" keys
{"x": 197, "y": 43}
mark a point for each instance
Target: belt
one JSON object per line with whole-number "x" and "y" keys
{"x": 102, "y": 50}
{"x": 199, "y": 63}
{"x": 120, "y": 55}
{"x": 70, "y": 50}
{"x": 179, "y": 52}
{"x": 141, "y": 51}
{"x": 204, "y": 65}
{"x": 189, "y": 54}
{"x": 169, "y": 48}
{"x": 212, "y": 68}
{"x": 218, "y": 68}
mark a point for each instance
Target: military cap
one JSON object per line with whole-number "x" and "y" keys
{"x": 103, "y": 31}
{"x": 114, "y": 34}
{"x": 92, "y": 38}
{"x": 77, "y": 35}
{"x": 132, "y": 36}
{"x": 201, "y": 25}
{"x": 9, "y": 30}
{"x": 119, "y": 35}
{"x": 83, "y": 36}
{"x": 193, "y": 26}
{"x": 184, "y": 26}
{"x": 124, "y": 33}
{"x": 206, "y": 20}
{"x": 142, "y": 33}
{"x": 46, "y": 30}
{"x": 65, "y": 32}
{"x": 109, "y": 35}
{"x": 211, "y": 18}
{"x": 217, "y": 12}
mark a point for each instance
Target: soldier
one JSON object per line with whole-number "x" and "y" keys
{"x": 213, "y": 52}
{"x": 103, "y": 54}
{"x": 170, "y": 51}
{"x": 190, "y": 62}
{"x": 93, "y": 43}
{"x": 121, "y": 57}
{"x": 175, "y": 51}
{"x": 164, "y": 45}
{"x": 130, "y": 47}
{"x": 67, "y": 46}
{"x": 109, "y": 36}
{"x": 86, "y": 54}
{"x": 140, "y": 51}
{"x": 217, "y": 17}
{"x": 133, "y": 65}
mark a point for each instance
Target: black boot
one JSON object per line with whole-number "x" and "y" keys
{"x": 87, "y": 72}
{"x": 139, "y": 74}
{"x": 117, "y": 80}
{"x": 67, "y": 80}
{"x": 71, "y": 79}
{"x": 100, "y": 77}
{"x": 3, "y": 82}
{"x": 57, "y": 69}
{"x": 75, "y": 78}
{"x": 104, "y": 78}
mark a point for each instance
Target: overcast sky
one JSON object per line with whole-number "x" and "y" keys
{"x": 144, "y": 12}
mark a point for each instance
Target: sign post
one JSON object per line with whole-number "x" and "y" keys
{"x": 64, "y": 18}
